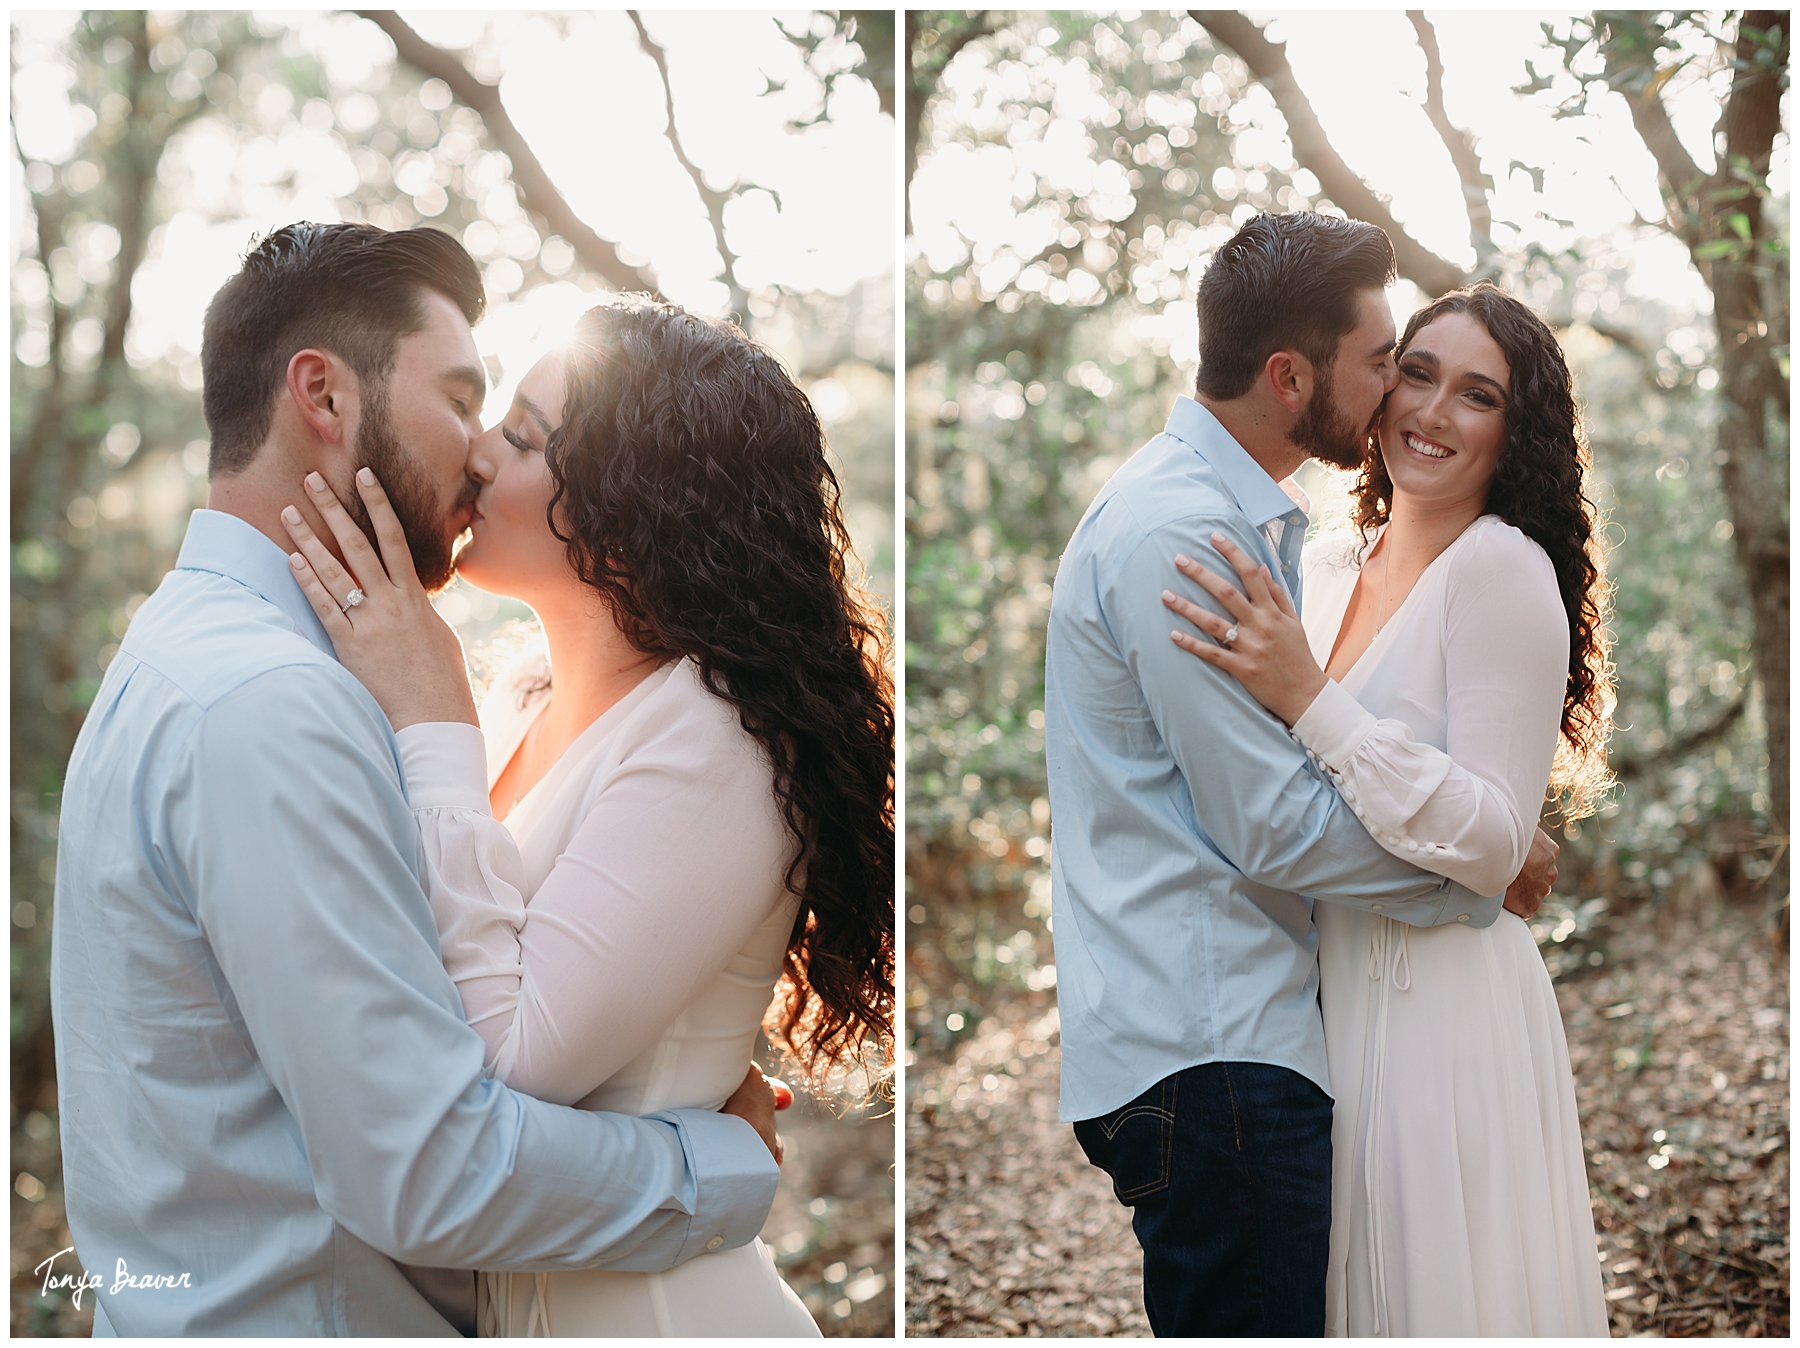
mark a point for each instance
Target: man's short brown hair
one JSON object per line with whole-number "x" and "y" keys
{"x": 350, "y": 289}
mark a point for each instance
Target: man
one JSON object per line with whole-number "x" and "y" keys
{"x": 271, "y": 1103}
{"x": 1192, "y": 832}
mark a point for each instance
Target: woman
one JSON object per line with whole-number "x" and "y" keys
{"x": 696, "y": 785}
{"x": 1442, "y": 678}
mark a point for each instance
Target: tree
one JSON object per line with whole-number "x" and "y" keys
{"x": 1722, "y": 219}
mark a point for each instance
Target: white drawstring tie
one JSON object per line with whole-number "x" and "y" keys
{"x": 497, "y": 1312}
{"x": 1389, "y": 966}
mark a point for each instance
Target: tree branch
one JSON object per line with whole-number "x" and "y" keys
{"x": 1268, "y": 62}
{"x": 1630, "y": 72}
{"x": 1460, "y": 143}
{"x": 1682, "y": 178}
{"x": 1691, "y": 741}
{"x": 529, "y": 176}
{"x": 713, "y": 201}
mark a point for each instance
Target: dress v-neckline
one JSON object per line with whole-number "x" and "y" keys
{"x": 601, "y": 725}
{"x": 1394, "y": 618}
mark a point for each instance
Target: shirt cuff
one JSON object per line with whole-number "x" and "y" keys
{"x": 735, "y": 1179}
{"x": 1334, "y": 726}
{"x": 445, "y": 764}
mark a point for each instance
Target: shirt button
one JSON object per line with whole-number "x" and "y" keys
{"x": 1377, "y": 907}
{"x": 715, "y": 1242}
{"x": 1463, "y": 918}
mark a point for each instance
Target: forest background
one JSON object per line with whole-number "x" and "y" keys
{"x": 1625, "y": 173}
{"x": 732, "y": 163}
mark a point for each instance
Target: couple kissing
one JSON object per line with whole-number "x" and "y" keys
{"x": 358, "y": 992}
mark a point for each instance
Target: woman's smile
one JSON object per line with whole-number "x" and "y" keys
{"x": 1428, "y": 449}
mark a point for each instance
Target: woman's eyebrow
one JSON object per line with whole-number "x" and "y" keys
{"x": 535, "y": 412}
{"x": 1420, "y": 354}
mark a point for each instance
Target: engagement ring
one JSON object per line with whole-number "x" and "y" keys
{"x": 1231, "y": 635}
{"x": 356, "y": 597}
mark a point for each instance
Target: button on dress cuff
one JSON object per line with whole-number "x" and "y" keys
{"x": 1335, "y": 725}
{"x": 445, "y": 764}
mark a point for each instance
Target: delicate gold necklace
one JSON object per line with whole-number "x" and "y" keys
{"x": 1387, "y": 566}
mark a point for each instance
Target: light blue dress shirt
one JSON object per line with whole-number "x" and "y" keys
{"x": 266, "y": 1080}
{"x": 1192, "y": 832}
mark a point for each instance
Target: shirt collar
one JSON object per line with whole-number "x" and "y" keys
{"x": 1258, "y": 495}
{"x": 236, "y": 549}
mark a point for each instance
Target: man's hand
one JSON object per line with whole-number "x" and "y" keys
{"x": 755, "y": 1102}
{"x": 1527, "y": 891}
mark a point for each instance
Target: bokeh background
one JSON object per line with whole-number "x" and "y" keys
{"x": 1069, "y": 175}
{"x": 736, "y": 163}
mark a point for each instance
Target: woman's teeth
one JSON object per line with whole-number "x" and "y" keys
{"x": 1426, "y": 448}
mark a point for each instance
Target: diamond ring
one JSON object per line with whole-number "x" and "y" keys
{"x": 356, "y": 597}
{"x": 1231, "y": 635}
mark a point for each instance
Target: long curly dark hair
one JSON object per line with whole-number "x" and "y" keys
{"x": 1540, "y": 488}
{"x": 693, "y": 492}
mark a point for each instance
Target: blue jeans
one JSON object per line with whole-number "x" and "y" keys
{"x": 1227, "y": 1170}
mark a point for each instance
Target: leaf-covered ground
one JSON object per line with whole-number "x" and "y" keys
{"x": 831, "y": 1228}
{"x": 1680, "y": 1048}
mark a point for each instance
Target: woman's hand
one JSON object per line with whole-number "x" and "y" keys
{"x": 1268, "y": 654}
{"x": 391, "y": 639}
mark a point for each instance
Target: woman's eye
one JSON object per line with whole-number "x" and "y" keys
{"x": 515, "y": 440}
{"x": 1413, "y": 371}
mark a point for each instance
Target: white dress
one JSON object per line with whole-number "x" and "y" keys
{"x": 616, "y": 942}
{"x": 1459, "y": 1189}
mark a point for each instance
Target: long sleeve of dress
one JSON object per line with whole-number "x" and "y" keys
{"x": 673, "y": 867}
{"x": 1467, "y": 811}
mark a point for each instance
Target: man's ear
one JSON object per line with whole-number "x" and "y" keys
{"x": 323, "y": 391}
{"x": 1290, "y": 379}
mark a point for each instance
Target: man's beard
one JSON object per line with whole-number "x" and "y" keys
{"x": 1324, "y": 433}
{"x": 408, "y": 491}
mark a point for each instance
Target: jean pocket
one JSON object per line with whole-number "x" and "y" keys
{"x": 1134, "y": 1143}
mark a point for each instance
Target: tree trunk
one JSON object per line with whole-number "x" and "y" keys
{"x": 1754, "y": 392}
